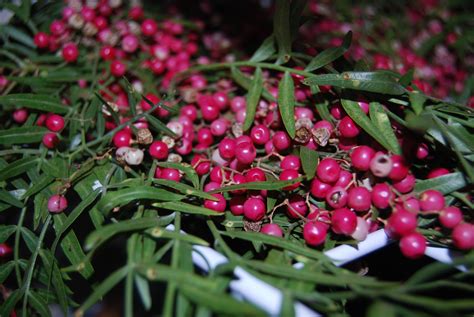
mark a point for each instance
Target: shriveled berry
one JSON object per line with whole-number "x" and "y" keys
{"x": 343, "y": 221}
{"x": 431, "y": 200}
{"x": 254, "y": 209}
{"x": 57, "y": 203}
{"x": 381, "y": 165}
{"x": 362, "y": 230}
{"x": 272, "y": 229}
{"x": 328, "y": 170}
{"x": 314, "y": 233}
{"x": 413, "y": 245}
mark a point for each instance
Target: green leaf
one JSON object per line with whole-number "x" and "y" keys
{"x": 186, "y": 169}
{"x": 297, "y": 8}
{"x": 39, "y": 304}
{"x": 183, "y": 188}
{"x": 186, "y": 208}
{"x": 445, "y": 184}
{"x": 246, "y": 83}
{"x": 323, "y": 110}
{"x": 282, "y": 30}
{"x": 287, "y": 308}
{"x": 416, "y": 101}
{"x": 329, "y": 55}
{"x": 363, "y": 121}
{"x": 18, "y": 167}
{"x": 5, "y": 270}
{"x": 9, "y": 304}
{"x": 159, "y": 232}
{"x": 60, "y": 288}
{"x": 159, "y": 126}
{"x": 56, "y": 167}
{"x": 35, "y": 101}
{"x": 378, "y": 82}
{"x": 124, "y": 196}
{"x": 9, "y": 199}
{"x": 267, "y": 185}
{"x": 380, "y": 308}
{"x": 38, "y": 185}
{"x": 381, "y": 121}
{"x": 309, "y": 161}
{"x": 286, "y": 103}
{"x": 406, "y": 79}
{"x": 22, "y": 135}
{"x": 143, "y": 290}
{"x": 18, "y": 34}
{"x": 6, "y": 231}
{"x": 253, "y": 98}
{"x": 101, "y": 235}
{"x": 265, "y": 50}
{"x": 100, "y": 291}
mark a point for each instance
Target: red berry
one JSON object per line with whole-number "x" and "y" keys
{"x": 348, "y": 128}
{"x": 297, "y": 206}
{"x": 219, "y": 127}
{"x": 189, "y": 111}
{"x": 281, "y": 141}
{"x": 201, "y": 164}
{"x": 405, "y": 185}
{"x": 220, "y": 99}
{"x": 245, "y": 152}
{"x": 272, "y": 229}
{"x": 319, "y": 189}
{"x": 399, "y": 169}
{"x": 5, "y": 250}
{"x": 260, "y": 134}
{"x": 413, "y": 245}
{"x": 437, "y": 172}
{"x": 122, "y": 138}
{"x": 254, "y": 209}
{"x": 158, "y": 150}
{"x": 204, "y": 136}
{"x": 70, "y": 52}
{"x": 343, "y": 221}
{"x": 381, "y": 195}
{"x": 227, "y": 148}
{"x": 171, "y": 174}
{"x": 291, "y": 162}
{"x": 431, "y": 200}
{"x": 41, "y": 40}
{"x": 20, "y": 115}
{"x": 359, "y": 199}
{"x": 255, "y": 175}
{"x": 361, "y": 157}
{"x": 345, "y": 178}
{"x": 422, "y": 151}
{"x": 236, "y": 205}
{"x": 337, "y": 197}
{"x": 450, "y": 217}
{"x": 463, "y": 236}
{"x": 238, "y": 179}
{"x": 50, "y": 140}
{"x": 314, "y": 233}
{"x": 328, "y": 170}
{"x": 287, "y": 175}
{"x": 149, "y": 27}
{"x": 135, "y": 13}
{"x": 130, "y": 43}
{"x": 54, "y": 122}
{"x": 400, "y": 223}
{"x": 118, "y": 68}
{"x": 218, "y": 205}
{"x": 57, "y": 203}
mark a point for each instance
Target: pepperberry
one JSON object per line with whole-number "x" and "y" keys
{"x": 255, "y": 175}
{"x": 118, "y": 68}
{"x": 400, "y": 223}
{"x": 70, "y": 52}
{"x": 450, "y": 217}
{"x": 272, "y": 229}
{"x": 260, "y": 134}
{"x": 463, "y": 236}
{"x": 297, "y": 206}
{"x": 227, "y": 148}
{"x": 343, "y": 221}
{"x": 437, "y": 172}
{"x": 405, "y": 185}
{"x": 54, "y": 122}
{"x": 381, "y": 165}
{"x": 41, "y": 40}
{"x": 348, "y": 128}
{"x": 20, "y": 115}
{"x": 218, "y": 205}
{"x": 361, "y": 157}
{"x": 337, "y": 197}
{"x": 254, "y": 209}
{"x": 345, "y": 178}
{"x": 281, "y": 141}
{"x": 122, "y": 138}
{"x": 319, "y": 189}
{"x": 57, "y": 203}
{"x": 158, "y": 150}
{"x": 290, "y": 162}
{"x": 50, "y": 140}
{"x": 149, "y": 27}
{"x": 5, "y": 250}
{"x": 413, "y": 245}
{"x": 359, "y": 199}
{"x": 381, "y": 195}
{"x": 204, "y": 136}
{"x": 328, "y": 170}
{"x": 245, "y": 152}
{"x": 171, "y": 174}
{"x": 431, "y": 200}
{"x": 399, "y": 169}
{"x": 287, "y": 175}
{"x": 236, "y": 205}
{"x": 314, "y": 233}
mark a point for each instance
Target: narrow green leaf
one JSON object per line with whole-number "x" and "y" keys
{"x": 6, "y": 231}
{"x": 60, "y": 287}
{"x": 186, "y": 169}
{"x": 380, "y": 308}
{"x": 378, "y": 82}
{"x": 287, "y": 308}
{"x": 381, "y": 121}
{"x": 416, "y": 101}
{"x": 406, "y": 79}
{"x": 56, "y": 167}
{"x": 296, "y": 11}
{"x": 267, "y": 185}
{"x": 186, "y": 208}
{"x": 329, "y": 55}
{"x": 35, "y": 101}
{"x": 445, "y": 184}
{"x": 143, "y": 290}
{"x": 22, "y": 135}
{"x": 363, "y": 121}
{"x": 9, "y": 199}
{"x": 253, "y": 98}
{"x": 17, "y": 167}
{"x": 265, "y": 50}
{"x": 5, "y": 270}
{"x": 159, "y": 232}
{"x": 159, "y": 126}
{"x": 101, "y": 235}
{"x": 110, "y": 282}
{"x": 39, "y": 304}
{"x": 286, "y": 103}
{"x": 282, "y": 30}
{"x": 124, "y": 196}
{"x": 309, "y": 161}
{"x": 9, "y": 304}
{"x": 38, "y": 185}
{"x": 18, "y": 34}
{"x": 183, "y": 188}
{"x": 323, "y": 110}
{"x": 245, "y": 82}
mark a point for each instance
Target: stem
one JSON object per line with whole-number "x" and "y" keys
{"x": 171, "y": 290}
{"x": 31, "y": 266}
{"x": 17, "y": 246}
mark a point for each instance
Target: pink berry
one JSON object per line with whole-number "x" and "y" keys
{"x": 70, "y": 52}
{"x": 431, "y": 200}
{"x": 348, "y": 128}
{"x": 57, "y": 203}
{"x": 107, "y": 53}
{"x": 281, "y": 141}
{"x": 287, "y": 175}
{"x": 5, "y": 250}
{"x": 272, "y": 229}
{"x": 343, "y": 221}
{"x": 149, "y": 27}
{"x": 319, "y": 189}
{"x": 41, "y": 40}
{"x": 204, "y": 136}
{"x": 345, "y": 178}
{"x": 209, "y": 112}
{"x": 122, "y": 138}
{"x": 361, "y": 231}
{"x": 20, "y": 115}
{"x": 236, "y": 205}
{"x": 413, "y": 245}
{"x": 227, "y": 148}
{"x": 422, "y": 151}
{"x": 400, "y": 223}
{"x": 189, "y": 111}
{"x": 255, "y": 175}
{"x": 158, "y": 150}
{"x": 171, "y": 174}
{"x": 220, "y": 99}
{"x": 290, "y": 162}
{"x": 130, "y": 43}
{"x": 381, "y": 165}
{"x": 254, "y": 209}
{"x": 297, "y": 206}
{"x": 54, "y": 123}
{"x": 361, "y": 157}
{"x": 218, "y": 205}
{"x": 323, "y": 124}
{"x": 359, "y": 199}
{"x": 450, "y": 217}
{"x": 405, "y": 185}
{"x": 219, "y": 127}
{"x": 337, "y": 197}
{"x": 201, "y": 164}
{"x": 328, "y": 170}
{"x": 381, "y": 195}
{"x": 437, "y": 172}
{"x": 118, "y": 68}
{"x": 314, "y": 233}
{"x": 238, "y": 103}
{"x": 50, "y": 140}
{"x": 399, "y": 169}
{"x": 463, "y": 236}
{"x": 245, "y": 152}
{"x": 260, "y": 134}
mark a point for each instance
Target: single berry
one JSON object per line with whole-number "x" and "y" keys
{"x": 5, "y": 250}
{"x": 405, "y": 185}
{"x": 245, "y": 152}
{"x": 399, "y": 169}
{"x": 57, "y": 203}
{"x": 463, "y": 236}
{"x": 219, "y": 127}
{"x": 227, "y": 148}
{"x": 319, "y": 189}
{"x": 118, "y": 68}
{"x": 287, "y": 175}
{"x": 359, "y": 199}
{"x": 381, "y": 165}
{"x": 236, "y": 205}
{"x": 272, "y": 229}
{"x": 218, "y": 205}
{"x": 70, "y": 52}
{"x": 348, "y": 128}
{"x": 41, "y": 40}
{"x": 314, "y": 233}
{"x": 345, "y": 178}
{"x": 281, "y": 141}
{"x": 254, "y": 209}
{"x": 297, "y": 206}
{"x": 381, "y": 195}
{"x": 20, "y": 115}
{"x": 122, "y": 138}
{"x": 149, "y": 27}
{"x": 134, "y": 156}
{"x": 171, "y": 174}
{"x": 437, "y": 172}
{"x": 361, "y": 157}
{"x": 54, "y": 123}
{"x": 50, "y": 140}
{"x": 343, "y": 221}
{"x": 450, "y": 217}
{"x": 291, "y": 162}
{"x": 362, "y": 230}
{"x": 413, "y": 245}
{"x": 158, "y": 150}
{"x": 260, "y": 134}
{"x": 337, "y": 197}
{"x": 204, "y": 136}
{"x": 255, "y": 175}
{"x": 328, "y": 170}
{"x": 431, "y": 200}
{"x": 400, "y": 223}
